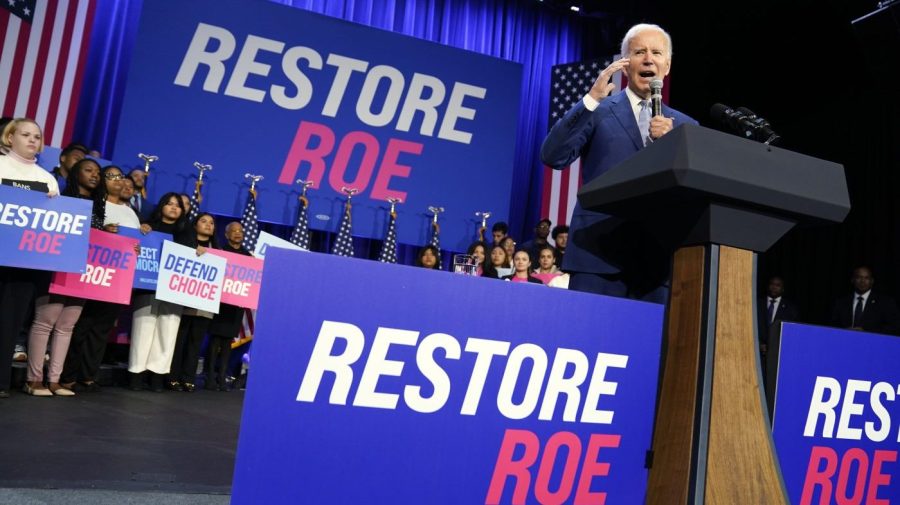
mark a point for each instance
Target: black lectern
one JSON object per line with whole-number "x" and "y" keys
{"x": 715, "y": 200}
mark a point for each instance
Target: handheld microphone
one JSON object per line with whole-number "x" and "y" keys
{"x": 656, "y": 86}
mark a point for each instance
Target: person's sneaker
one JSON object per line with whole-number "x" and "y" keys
{"x": 19, "y": 354}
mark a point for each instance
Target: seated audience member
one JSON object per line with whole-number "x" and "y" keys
{"x": 226, "y": 325}
{"x": 154, "y": 325}
{"x": 428, "y": 257}
{"x": 194, "y": 322}
{"x": 70, "y": 155}
{"x": 772, "y": 309}
{"x": 58, "y": 313}
{"x": 509, "y": 245}
{"x": 97, "y": 318}
{"x": 22, "y": 140}
{"x": 477, "y": 251}
{"x": 522, "y": 269}
{"x": 560, "y": 236}
{"x": 541, "y": 232}
{"x": 139, "y": 199}
{"x": 500, "y": 261}
{"x": 499, "y": 231}
{"x": 864, "y": 309}
{"x": 546, "y": 270}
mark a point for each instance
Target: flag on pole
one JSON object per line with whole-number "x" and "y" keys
{"x": 569, "y": 83}
{"x": 43, "y": 56}
{"x": 300, "y": 236}
{"x": 245, "y": 334}
{"x": 250, "y": 223}
{"x": 389, "y": 248}
{"x": 196, "y": 198}
{"x": 436, "y": 241}
{"x": 343, "y": 246}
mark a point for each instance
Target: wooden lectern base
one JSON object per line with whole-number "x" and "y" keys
{"x": 712, "y": 442}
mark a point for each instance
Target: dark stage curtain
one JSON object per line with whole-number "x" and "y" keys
{"x": 523, "y": 32}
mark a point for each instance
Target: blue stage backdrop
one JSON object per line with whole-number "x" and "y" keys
{"x": 835, "y": 407}
{"x": 237, "y": 85}
{"x": 380, "y": 383}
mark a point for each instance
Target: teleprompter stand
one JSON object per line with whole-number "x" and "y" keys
{"x": 716, "y": 200}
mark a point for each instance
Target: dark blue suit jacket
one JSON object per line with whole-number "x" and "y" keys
{"x": 603, "y": 139}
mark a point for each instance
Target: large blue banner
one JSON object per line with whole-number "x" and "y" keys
{"x": 43, "y": 233}
{"x": 379, "y": 383}
{"x": 254, "y": 87}
{"x": 834, "y": 409}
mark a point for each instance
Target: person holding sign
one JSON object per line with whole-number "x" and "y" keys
{"x": 154, "y": 326}
{"x": 226, "y": 324}
{"x": 57, "y": 313}
{"x": 97, "y": 319}
{"x": 22, "y": 140}
{"x": 194, "y": 322}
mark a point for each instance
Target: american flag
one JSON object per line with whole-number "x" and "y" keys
{"x": 300, "y": 236}
{"x": 436, "y": 241}
{"x": 250, "y": 223}
{"x": 245, "y": 334}
{"x": 43, "y": 55}
{"x": 569, "y": 83}
{"x": 194, "y": 211}
{"x": 343, "y": 246}
{"x": 389, "y": 248}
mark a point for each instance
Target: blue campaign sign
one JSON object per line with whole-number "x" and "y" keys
{"x": 835, "y": 408}
{"x": 255, "y": 87}
{"x": 43, "y": 233}
{"x": 147, "y": 266}
{"x": 380, "y": 383}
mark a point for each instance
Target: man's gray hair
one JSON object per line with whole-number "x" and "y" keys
{"x": 636, "y": 29}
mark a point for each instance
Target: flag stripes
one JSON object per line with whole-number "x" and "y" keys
{"x": 43, "y": 62}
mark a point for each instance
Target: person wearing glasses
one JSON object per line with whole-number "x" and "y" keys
{"x": 97, "y": 319}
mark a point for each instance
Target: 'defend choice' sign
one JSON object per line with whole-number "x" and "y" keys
{"x": 378, "y": 383}
{"x": 837, "y": 421}
{"x": 256, "y": 87}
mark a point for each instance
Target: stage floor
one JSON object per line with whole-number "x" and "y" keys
{"x": 120, "y": 440}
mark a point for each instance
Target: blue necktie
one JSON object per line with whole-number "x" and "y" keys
{"x": 771, "y": 310}
{"x": 644, "y": 121}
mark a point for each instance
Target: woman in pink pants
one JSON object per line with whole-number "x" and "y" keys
{"x": 56, "y": 314}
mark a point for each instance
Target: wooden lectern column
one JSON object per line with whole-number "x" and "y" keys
{"x": 712, "y": 442}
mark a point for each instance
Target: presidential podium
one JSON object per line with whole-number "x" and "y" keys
{"x": 715, "y": 200}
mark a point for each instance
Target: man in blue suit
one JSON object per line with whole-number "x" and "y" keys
{"x": 606, "y": 255}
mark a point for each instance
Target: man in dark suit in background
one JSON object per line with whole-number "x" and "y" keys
{"x": 605, "y": 129}
{"x": 865, "y": 310}
{"x": 773, "y": 309}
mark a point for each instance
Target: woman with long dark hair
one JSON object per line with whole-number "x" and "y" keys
{"x": 429, "y": 257}
{"x": 194, "y": 322}
{"x": 57, "y": 314}
{"x": 97, "y": 318}
{"x": 155, "y": 323}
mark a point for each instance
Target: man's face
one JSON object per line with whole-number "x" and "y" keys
{"x": 68, "y": 160}
{"x": 138, "y": 177}
{"x": 648, "y": 52}
{"x": 562, "y": 239}
{"x": 235, "y": 233}
{"x": 542, "y": 230}
{"x": 498, "y": 236}
{"x": 862, "y": 280}
{"x": 776, "y": 287}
